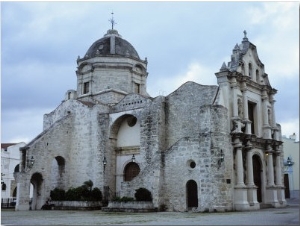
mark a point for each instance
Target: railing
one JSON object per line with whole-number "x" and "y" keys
{"x": 8, "y": 203}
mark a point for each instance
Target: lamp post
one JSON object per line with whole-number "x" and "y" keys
{"x": 289, "y": 164}
{"x": 31, "y": 162}
{"x": 133, "y": 158}
{"x": 104, "y": 162}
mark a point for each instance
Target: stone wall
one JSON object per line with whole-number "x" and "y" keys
{"x": 213, "y": 181}
{"x": 182, "y": 108}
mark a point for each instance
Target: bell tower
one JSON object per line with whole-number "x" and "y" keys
{"x": 111, "y": 69}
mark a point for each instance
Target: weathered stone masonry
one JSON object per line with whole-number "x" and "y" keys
{"x": 201, "y": 148}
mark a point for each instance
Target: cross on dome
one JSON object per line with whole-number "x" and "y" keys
{"x": 112, "y": 21}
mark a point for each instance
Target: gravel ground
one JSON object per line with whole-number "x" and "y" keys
{"x": 272, "y": 216}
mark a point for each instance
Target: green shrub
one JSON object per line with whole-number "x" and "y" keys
{"x": 57, "y": 194}
{"x": 81, "y": 193}
{"x": 123, "y": 199}
{"x": 143, "y": 194}
{"x": 96, "y": 194}
{"x": 72, "y": 195}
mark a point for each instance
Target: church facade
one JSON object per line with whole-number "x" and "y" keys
{"x": 202, "y": 148}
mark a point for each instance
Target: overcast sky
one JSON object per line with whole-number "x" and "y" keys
{"x": 183, "y": 41}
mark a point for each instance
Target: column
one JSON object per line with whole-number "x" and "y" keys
{"x": 250, "y": 181}
{"x": 245, "y": 102}
{"x": 271, "y": 189}
{"x": 270, "y": 169}
{"x": 266, "y": 126}
{"x": 240, "y": 190}
{"x": 272, "y": 101}
{"x": 278, "y": 171}
{"x": 276, "y": 133}
{"x": 252, "y": 189}
{"x": 240, "y": 168}
{"x": 245, "y": 105}
{"x": 280, "y": 187}
{"x": 235, "y": 105}
{"x": 23, "y": 194}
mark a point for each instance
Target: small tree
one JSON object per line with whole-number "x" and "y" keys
{"x": 89, "y": 184}
{"x": 96, "y": 194}
{"x": 57, "y": 194}
{"x": 81, "y": 193}
{"x": 143, "y": 194}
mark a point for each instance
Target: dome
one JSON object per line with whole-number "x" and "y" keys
{"x": 112, "y": 44}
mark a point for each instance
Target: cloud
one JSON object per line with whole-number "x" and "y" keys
{"x": 194, "y": 72}
{"x": 278, "y": 43}
{"x": 274, "y": 12}
{"x": 36, "y": 85}
{"x": 289, "y": 127}
{"x": 41, "y": 41}
{"x": 22, "y": 125}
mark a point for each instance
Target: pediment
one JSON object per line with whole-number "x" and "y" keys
{"x": 132, "y": 101}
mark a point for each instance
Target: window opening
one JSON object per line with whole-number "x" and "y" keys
{"x": 137, "y": 88}
{"x": 250, "y": 70}
{"x": 86, "y": 87}
{"x": 252, "y": 116}
{"x": 257, "y": 76}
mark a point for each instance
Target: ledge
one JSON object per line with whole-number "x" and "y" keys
{"x": 132, "y": 206}
{"x": 76, "y": 205}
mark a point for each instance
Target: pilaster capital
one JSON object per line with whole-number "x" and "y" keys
{"x": 237, "y": 140}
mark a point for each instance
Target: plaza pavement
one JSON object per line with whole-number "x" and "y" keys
{"x": 271, "y": 216}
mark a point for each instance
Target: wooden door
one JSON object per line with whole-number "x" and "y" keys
{"x": 257, "y": 170}
{"x": 192, "y": 194}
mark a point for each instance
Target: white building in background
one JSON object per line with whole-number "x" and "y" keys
{"x": 10, "y": 159}
{"x": 291, "y": 163}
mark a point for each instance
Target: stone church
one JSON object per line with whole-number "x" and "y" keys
{"x": 204, "y": 148}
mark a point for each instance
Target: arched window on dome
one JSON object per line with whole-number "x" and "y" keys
{"x": 137, "y": 87}
{"x": 86, "y": 87}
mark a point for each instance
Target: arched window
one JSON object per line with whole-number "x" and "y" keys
{"x": 131, "y": 171}
{"x": 250, "y": 70}
{"x": 257, "y": 75}
{"x": 17, "y": 168}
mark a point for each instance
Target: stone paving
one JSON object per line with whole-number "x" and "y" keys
{"x": 272, "y": 216}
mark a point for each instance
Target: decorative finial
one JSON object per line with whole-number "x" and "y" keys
{"x": 245, "y": 34}
{"x": 112, "y": 20}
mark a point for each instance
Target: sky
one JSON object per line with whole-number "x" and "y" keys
{"x": 182, "y": 41}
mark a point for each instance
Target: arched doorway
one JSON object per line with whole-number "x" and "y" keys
{"x": 36, "y": 181}
{"x": 192, "y": 194}
{"x": 131, "y": 171}
{"x": 257, "y": 169}
{"x": 57, "y": 172}
{"x": 124, "y": 142}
